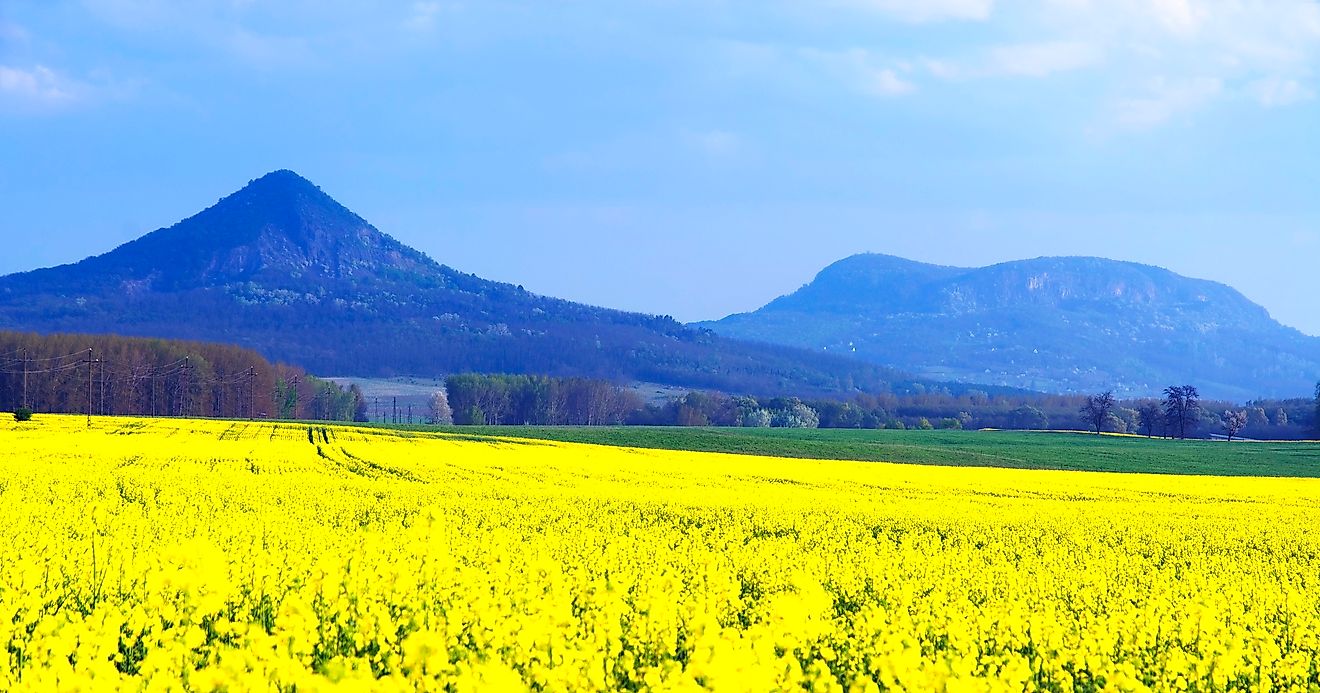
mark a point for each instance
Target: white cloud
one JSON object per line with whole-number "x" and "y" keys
{"x": 37, "y": 87}
{"x": 1178, "y": 16}
{"x": 1274, "y": 92}
{"x": 863, "y": 71}
{"x": 426, "y": 13}
{"x": 1153, "y": 60}
{"x": 1041, "y": 59}
{"x": 924, "y": 11}
{"x": 886, "y": 82}
{"x": 1165, "y": 101}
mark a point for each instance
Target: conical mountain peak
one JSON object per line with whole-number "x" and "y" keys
{"x": 278, "y": 230}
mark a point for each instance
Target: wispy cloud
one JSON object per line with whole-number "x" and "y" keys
{"x": 926, "y": 11}
{"x": 1041, "y": 59}
{"x": 1165, "y": 101}
{"x": 1273, "y": 92}
{"x": 425, "y": 14}
{"x": 1147, "y": 62}
{"x": 37, "y": 88}
{"x": 863, "y": 71}
{"x": 886, "y": 82}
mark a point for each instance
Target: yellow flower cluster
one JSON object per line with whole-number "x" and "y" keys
{"x": 208, "y": 556}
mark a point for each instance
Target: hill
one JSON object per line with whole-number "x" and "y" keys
{"x": 1065, "y": 324}
{"x": 282, "y": 268}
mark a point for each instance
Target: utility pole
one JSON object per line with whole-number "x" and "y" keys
{"x": 184, "y": 403}
{"x": 409, "y": 414}
{"x": 25, "y": 372}
{"x": 102, "y": 409}
{"x": 138, "y": 408}
{"x": 251, "y": 390}
{"x": 89, "y": 388}
{"x": 296, "y": 380}
{"x": 395, "y": 417}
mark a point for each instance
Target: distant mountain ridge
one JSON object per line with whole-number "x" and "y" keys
{"x": 1059, "y": 324}
{"x": 281, "y": 267}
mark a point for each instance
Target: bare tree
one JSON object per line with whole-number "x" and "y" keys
{"x": 1182, "y": 407}
{"x": 1234, "y": 421}
{"x": 1315, "y": 425}
{"x": 1149, "y": 416}
{"x": 1097, "y": 410}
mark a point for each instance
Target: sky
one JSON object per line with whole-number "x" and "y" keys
{"x": 692, "y": 158}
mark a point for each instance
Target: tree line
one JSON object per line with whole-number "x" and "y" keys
{"x": 1182, "y": 413}
{"x": 126, "y": 376}
{"x": 531, "y": 400}
{"x": 111, "y": 375}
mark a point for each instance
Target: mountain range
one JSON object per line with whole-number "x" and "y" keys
{"x": 1055, "y": 324}
{"x": 281, "y": 267}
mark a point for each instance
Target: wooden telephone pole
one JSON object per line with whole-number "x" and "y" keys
{"x": 25, "y": 379}
{"x": 90, "y": 400}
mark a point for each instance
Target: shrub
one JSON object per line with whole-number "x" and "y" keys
{"x": 23, "y": 414}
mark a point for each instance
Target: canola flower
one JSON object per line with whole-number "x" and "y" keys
{"x": 145, "y": 555}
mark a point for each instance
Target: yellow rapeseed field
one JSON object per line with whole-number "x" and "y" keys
{"x": 205, "y": 555}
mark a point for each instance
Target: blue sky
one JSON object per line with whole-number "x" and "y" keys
{"x": 693, "y": 158}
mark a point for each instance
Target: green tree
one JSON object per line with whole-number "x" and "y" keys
{"x": 473, "y": 416}
{"x": 1027, "y": 417}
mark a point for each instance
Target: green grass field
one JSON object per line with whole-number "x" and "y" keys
{"x": 1015, "y": 449}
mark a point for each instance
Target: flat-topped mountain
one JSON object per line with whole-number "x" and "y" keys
{"x": 281, "y": 267}
{"x": 1070, "y": 324}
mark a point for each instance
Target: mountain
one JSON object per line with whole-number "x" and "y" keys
{"x": 282, "y": 268}
{"x": 1058, "y": 324}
